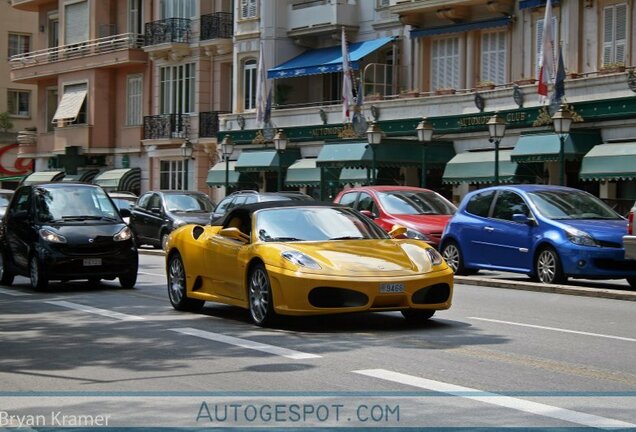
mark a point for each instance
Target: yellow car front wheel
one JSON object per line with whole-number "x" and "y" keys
{"x": 417, "y": 316}
{"x": 261, "y": 302}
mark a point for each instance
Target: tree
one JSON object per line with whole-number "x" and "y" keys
{"x": 5, "y": 122}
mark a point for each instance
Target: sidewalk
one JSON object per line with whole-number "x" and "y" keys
{"x": 521, "y": 282}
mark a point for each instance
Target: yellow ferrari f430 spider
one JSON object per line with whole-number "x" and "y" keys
{"x": 287, "y": 258}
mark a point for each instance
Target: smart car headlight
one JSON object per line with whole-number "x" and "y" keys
{"x": 416, "y": 235}
{"x": 124, "y": 234}
{"x": 436, "y": 257}
{"x": 300, "y": 259}
{"x": 51, "y": 237}
{"x": 580, "y": 238}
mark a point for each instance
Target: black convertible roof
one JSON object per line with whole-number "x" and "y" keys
{"x": 249, "y": 209}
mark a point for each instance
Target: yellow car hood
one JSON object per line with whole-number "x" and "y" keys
{"x": 365, "y": 257}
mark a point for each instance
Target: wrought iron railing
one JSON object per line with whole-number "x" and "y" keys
{"x": 217, "y": 25}
{"x": 209, "y": 123}
{"x": 166, "y": 126}
{"x": 168, "y": 30}
{"x": 89, "y": 47}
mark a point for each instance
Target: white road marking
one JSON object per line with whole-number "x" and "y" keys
{"x": 13, "y": 293}
{"x": 244, "y": 343}
{"x": 544, "y": 410}
{"x": 555, "y": 329}
{"x": 163, "y": 275}
{"x": 93, "y": 310}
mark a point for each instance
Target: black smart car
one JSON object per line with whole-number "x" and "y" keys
{"x": 157, "y": 213}
{"x": 65, "y": 231}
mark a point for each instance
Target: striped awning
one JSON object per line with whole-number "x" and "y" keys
{"x": 479, "y": 167}
{"x": 610, "y": 162}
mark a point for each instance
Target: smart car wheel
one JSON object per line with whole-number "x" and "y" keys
{"x": 128, "y": 280}
{"x": 417, "y": 316}
{"x": 547, "y": 267}
{"x": 37, "y": 275}
{"x": 453, "y": 256}
{"x": 177, "y": 292}
{"x": 6, "y": 277}
{"x": 260, "y": 297}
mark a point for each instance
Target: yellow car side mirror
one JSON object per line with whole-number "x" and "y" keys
{"x": 235, "y": 234}
{"x": 398, "y": 231}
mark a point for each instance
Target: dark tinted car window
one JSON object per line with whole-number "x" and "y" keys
{"x": 154, "y": 202}
{"x": 479, "y": 204}
{"x": 348, "y": 199}
{"x": 22, "y": 200}
{"x": 507, "y": 204}
{"x": 365, "y": 202}
{"x": 143, "y": 201}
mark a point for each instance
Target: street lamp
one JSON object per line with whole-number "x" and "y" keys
{"x": 280, "y": 144}
{"x": 562, "y": 120}
{"x": 227, "y": 147}
{"x": 497, "y": 130}
{"x": 424, "y": 135}
{"x": 374, "y": 137}
{"x": 186, "y": 152}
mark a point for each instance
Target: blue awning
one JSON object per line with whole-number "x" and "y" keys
{"x": 525, "y": 4}
{"x": 462, "y": 27}
{"x": 326, "y": 60}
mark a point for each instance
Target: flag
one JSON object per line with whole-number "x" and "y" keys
{"x": 546, "y": 70}
{"x": 359, "y": 95}
{"x": 559, "y": 84}
{"x": 347, "y": 85}
{"x": 268, "y": 108}
{"x": 261, "y": 90}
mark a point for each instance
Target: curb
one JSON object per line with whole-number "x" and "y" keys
{"x": 508, "y": 284}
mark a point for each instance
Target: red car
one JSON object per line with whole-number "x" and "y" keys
{"x": 423, "y": 212}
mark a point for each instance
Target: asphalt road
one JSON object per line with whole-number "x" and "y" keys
{"x": 497, "y": 358}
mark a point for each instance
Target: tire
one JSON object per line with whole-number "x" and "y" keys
{"x": 454, "y": 258}
{"x": 94, "y": 280}
{"x": 547, "y": 267}
{"x": 261, "y": 302}
{"x": 177, "y": 291}
{"x": 37, "y": 275}
{"x": 417, "y": 316}
{"x": 632, "y": 281}
{"x": 128, "y": 280}
{"x": 6, "y": 277}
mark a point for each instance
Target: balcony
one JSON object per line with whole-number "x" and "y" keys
{"x": 216, "y": 31}
{"x": 30, "y": 5}
{"x": 414, "y": 12}
{"x": 320, "y": 18}
{"x": 168, "y": 38}
{"x": 209, "y": 123}
{"x": 166, "y": 126}
{"x": 108, "y": 51}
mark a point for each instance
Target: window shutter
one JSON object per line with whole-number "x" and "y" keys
{"x": 539, "y": 44}
{"x": 252, "y": 8}
{"x": 620, "y": 36}
{"x": 244, "y": 8}
{"x": 493, "y": 57}
{"x": 11, "y": 102}
{"x": 76, "y": 23}
{"x": 135, "y": 93}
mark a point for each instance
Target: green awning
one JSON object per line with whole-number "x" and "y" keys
{"x": 43, "y": 177}
{"x": 545, "y": 147}
{"x": 265, "y": 160}
{"x": 356, "y": 176}
{"x": 12, "y": 178}
{"x": 610, "y": 162}
{"x": 120, "y": 179}
{"x": 479, "y": 167}
{"x": 83, "y": 175}
{"x": 389, "y": 153}
{"x": 303, "y": 172}
{"x": 216, "y": 175}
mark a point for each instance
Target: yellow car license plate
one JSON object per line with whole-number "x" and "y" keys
{"x": 392, "y": 288}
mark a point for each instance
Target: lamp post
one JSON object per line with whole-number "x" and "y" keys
{"x": 227, "y": 147}
{"x": 424, "y": 135}
{"x": 497, "y": 130}
{"x": 186, "y": 153}
{"x": 280, "y": 144}
{"x": 374, "y": 137}
{"x": 562, "y": 120}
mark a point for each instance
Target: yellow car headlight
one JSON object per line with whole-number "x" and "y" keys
{"x": 436, "y": 257}
{"x": 300, "y": 259}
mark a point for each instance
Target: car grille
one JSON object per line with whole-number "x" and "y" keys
{"x": 609, "y": 244}
{"x": 609, "y": 264}
{"x": 101, "y": 246}
{"x": 329, "y": 297}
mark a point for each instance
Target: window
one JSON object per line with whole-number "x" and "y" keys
{"x": 178, "y": 8}
{"x": 18, "y": 102}
{"x": 51, "y": 107}
{"x": 539, "y": 43}
{"x": 383, "y": 3}
{"x": 248, "y": 9}
{"x": 365, "y": 202}
{"x": 135, "y": 17}
{"x": 177, "y": 89}
{"x": 614, "y": 33}
{"x": 76, "y": 22}
{"x": 19, "y": 44}
{"x": 479, "y": 204}
{"x": 171, "y": 175}
{"x": 349, "y": 199}
{"x": 72, "y": 107}
{"x": 134, "y": 90}
{"x": 493, "y": 57}
{"x": 507, "y": 204}
{"x": 249, "y": 85}
{"x": 445, "y": 63}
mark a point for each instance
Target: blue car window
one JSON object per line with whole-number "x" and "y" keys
{"x": 479, "y": 204}
{"x": 507, "y": 204}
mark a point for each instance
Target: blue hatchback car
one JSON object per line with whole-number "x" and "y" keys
{"x": 547, "y": 232}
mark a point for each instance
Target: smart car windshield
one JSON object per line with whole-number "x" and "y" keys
{"x": 72, "y": 203}
{"x": 415, "y": 203}
{"x": 314, "y": 224}
{"x": 568, "y": 204}
{"x": 188, "y": 203}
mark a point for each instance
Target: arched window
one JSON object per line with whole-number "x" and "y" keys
{"x": 249, "y": 84}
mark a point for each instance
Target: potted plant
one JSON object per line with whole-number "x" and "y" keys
{"x": 373, "y": 97}
{"x": 525, "y": 81}
{"x": 610, "y": 68}
{"x": 485, "y": 85}
{"x": 445, "y": 91}
{"x": 410, "y": 93}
